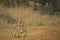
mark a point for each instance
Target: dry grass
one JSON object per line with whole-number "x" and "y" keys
{"x": 32, "y": 17}
{"x": 39, "y": 27}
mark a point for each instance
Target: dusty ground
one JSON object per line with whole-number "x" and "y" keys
{"x": 34, "y": 33}
{"x": 38, "y": 27}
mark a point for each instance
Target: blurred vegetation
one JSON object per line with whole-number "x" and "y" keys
{"x": 14, "y": 3}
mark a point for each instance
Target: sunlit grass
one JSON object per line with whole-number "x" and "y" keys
{"x": 36, "y": 24}
{"x": 31, "y": 17}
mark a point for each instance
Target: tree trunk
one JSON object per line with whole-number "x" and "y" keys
{"x": 10, "y": 3}
{"x": 15, "y": 3}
